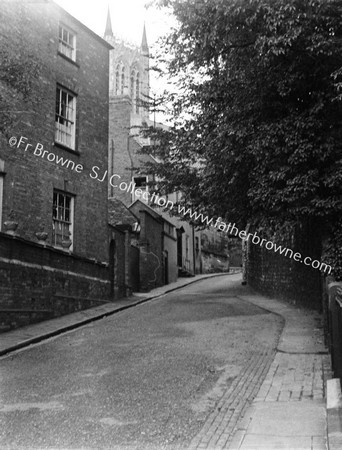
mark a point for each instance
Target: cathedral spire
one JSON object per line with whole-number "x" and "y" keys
{"x": 144, "y": 45}
{"x": 108, "y": 31}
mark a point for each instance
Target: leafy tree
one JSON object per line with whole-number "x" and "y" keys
{"x": 256, "y": 136}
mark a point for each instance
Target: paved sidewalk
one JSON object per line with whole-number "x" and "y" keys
{"x": 22, "y": 337}
{"x": 282, "y": 404}
{"x": 289, "y": 411}
{"x": 276, "y": 403}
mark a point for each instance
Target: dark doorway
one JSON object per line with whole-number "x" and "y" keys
{"x": 112, "y": 248}
{"x": 166, "y": 267}
{"x": 180, "y": 232}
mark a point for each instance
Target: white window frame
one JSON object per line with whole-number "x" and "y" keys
{"x": 67, "y": 42}
{"x": 59, "y": 219}
{"x": 65, "y": 118}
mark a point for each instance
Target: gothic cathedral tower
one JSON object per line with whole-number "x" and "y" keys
{"x": 129, "y": 71}
{"x": 129, "y": 86}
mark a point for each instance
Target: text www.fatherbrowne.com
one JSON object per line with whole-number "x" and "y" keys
{"x": 197, "y": 217}
{"x": 254, "y": 238}
{"x": 231, "y": 229}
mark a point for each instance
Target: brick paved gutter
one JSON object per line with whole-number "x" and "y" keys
{"x": 22, "y": 337}
{"x": 222, "y": 422}
{"x": 288, "y": 411}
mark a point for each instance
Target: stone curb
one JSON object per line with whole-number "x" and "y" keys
{"x": 334, "y": 414}
{"x": 81, "y": 322}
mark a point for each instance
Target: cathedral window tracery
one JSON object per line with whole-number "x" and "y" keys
{"x": 137, "y": 93}
{"x": 132, "y": 84}
{"x": 117, "y": 80}
{"x": 122, "y": 79}
{"x": 135, "y": 89}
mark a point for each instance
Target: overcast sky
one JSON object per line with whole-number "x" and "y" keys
{"x": 128, "y": 17}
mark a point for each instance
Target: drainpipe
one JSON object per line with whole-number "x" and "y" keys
{"x": 162, "y": 254}
{"x": 193, "y": 248}
{"x": 245, "y": 256}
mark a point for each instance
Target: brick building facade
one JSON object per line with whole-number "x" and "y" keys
{"x": 151, "y": 265}
{"x": 180, "y": 253}
{"x": 153, "y": 248}
{"x": 157, "y": 243}
{"x": 54, "y": 130}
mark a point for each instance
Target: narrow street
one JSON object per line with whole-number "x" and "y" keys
{"x": 145, "y": 378}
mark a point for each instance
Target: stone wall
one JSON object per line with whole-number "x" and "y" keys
{"x": 38, "y": 282}
{"x": 151, "y": 261}
{"x": 280, "y": 276}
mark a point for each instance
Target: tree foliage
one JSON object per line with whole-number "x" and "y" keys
{"x": 257, "y": 118}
